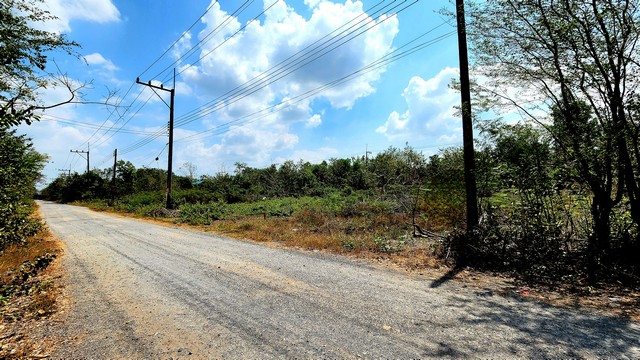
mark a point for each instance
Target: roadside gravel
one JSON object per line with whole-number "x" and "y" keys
{"x": 140, "y": 290}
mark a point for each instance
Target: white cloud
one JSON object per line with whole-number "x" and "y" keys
{"x": 430, "y": 113}
{"x": 253, "y": 145}
{"x": 100, "y": 11}
{"x": 311, "y": 156}
{"x": 98, "y": 59}
{"x": 314, "y": 121}
{"x": 311, "y": 3}
{"x": 263, "y": 46}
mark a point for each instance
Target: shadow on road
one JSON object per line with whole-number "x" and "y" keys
{"x": 450, "y": 275}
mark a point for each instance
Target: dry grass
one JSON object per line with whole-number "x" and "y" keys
{"x": 353, "y": 236}
{"x": 15, "y": 254}
{"x": 26, "y": 302}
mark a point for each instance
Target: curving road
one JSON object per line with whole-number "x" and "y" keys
{"x": 141, "y": 290}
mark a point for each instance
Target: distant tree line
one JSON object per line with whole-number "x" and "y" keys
{"x": 392, "y": 167}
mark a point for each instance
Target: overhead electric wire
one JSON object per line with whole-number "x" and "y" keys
{"x": 155, "y": 136}
{"x": 160, "y": 133}
{"x": 263, "y": 74}
{"x": 383, "y": 61}
{"x": 179, "y": 38}
{"x": 66, "y": 161}
{"x": 131, "y": 86}
{"x": 126, "y": 122}
{"x": 271, "y": 75}
{"x": 207, "y": 37}
{"x": 229, "y": 38}
{"x": 47, "y": 117}
{"x": 290, "y": 63}
{"x": 103, "y": 161}
{"x": 109, "y": 117}
{"x": 160, "y": 153}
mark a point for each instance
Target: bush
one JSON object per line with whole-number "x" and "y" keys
{"x": 202, "y": 214}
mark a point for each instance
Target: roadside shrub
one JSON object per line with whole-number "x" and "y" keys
{"x": 136, "y": 202}
{"x": 202, "y": 214}
{"x": 194, "y": 196}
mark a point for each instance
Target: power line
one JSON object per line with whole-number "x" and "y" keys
{"x": 208, "y": 37}
{"x": 381, "y": 62}
{"x": 47, "y": 117}
{"x": 130, "y": 118}
{"x": 178, "y": 39}
{"x": 278, "y": 72}
{"x": 131, "y": 86}
{"x": 159, "y": 133}
{"x": 308, "y": 54}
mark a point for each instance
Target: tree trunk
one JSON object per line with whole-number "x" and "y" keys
{"x": 599, "y": 243}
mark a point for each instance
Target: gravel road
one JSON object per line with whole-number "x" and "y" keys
{"x": 141, "y": 290}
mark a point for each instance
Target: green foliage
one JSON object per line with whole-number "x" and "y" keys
{"x": 202, "y": 214}
{"x": 20, "y": 167}
{"x": 578, "y": 60}
{"x": 24, "y": 51}
{"x": 140, "y": 202}
{"x": 149, "y": 179}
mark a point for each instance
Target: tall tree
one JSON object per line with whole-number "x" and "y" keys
{"x": 24, "y": 54}
{"x": 579, "y": 62}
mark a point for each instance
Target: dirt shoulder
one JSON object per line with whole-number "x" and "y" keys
{"x": 31, "y": 296}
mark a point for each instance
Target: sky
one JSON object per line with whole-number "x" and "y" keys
{"x": 257, "y": 82}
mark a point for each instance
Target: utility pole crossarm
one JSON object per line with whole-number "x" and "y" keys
{"x": 83, "y": 152}
{"x": 149, "y": 84}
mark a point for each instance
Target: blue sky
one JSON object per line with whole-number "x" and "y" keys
{"x": 234, "y": 103}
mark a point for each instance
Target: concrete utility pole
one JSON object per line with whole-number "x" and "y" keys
{"x": 366, "y": 155}
{"x": 169, "y": 203}
{"x": 113, "y": 181}
{"x": 83, "y": 152}
{"x": 467, "y": 124}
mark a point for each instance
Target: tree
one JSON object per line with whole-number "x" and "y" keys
{"x": 24, "y": 54}
{"x": 124, "y": 177}
{"x": 20, "y": 167}
{"x": 24, "y": 62}
{"x": 577, "y": 61}
{"x": 189, "y": 170}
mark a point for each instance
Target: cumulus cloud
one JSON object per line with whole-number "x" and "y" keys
{"x": 314, "y": 121}
{"x": 430, "y": 113}
{"x": 100, "y": 11}
{"x": 241, "y": 61}
{"x": 98, "y": 59}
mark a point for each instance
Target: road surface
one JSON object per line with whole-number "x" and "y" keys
{"x": 142, "y": 290}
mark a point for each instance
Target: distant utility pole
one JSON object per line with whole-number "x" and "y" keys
{"x": 467, "y": 125}
{"x": 113, "y": 181}
{"x": 169, "y": 203}
{"x": 366, "y": 155}
{"x": 66, "y": 170}
{"x": 83, "y": 152}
